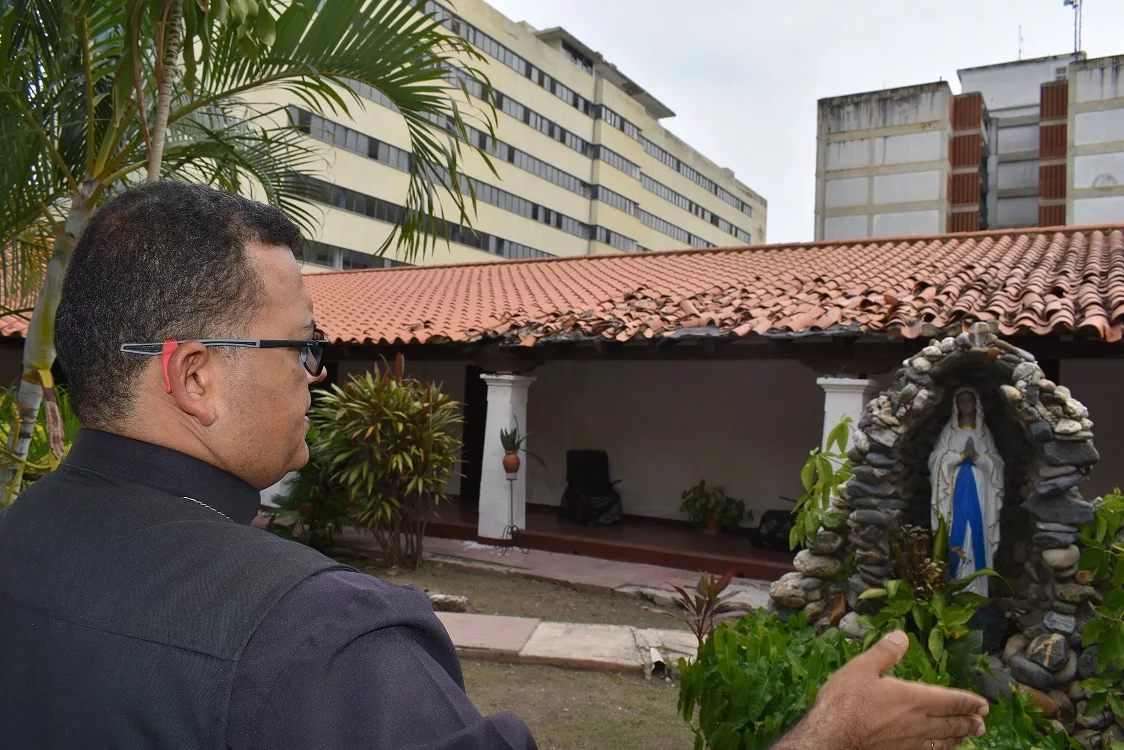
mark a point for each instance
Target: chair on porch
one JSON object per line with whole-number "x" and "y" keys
{"x": 591, "y": 498}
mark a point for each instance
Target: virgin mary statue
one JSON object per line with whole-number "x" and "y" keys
{"x": 966, "y": 472}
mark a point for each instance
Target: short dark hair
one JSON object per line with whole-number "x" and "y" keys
{"x": 162, "y": 260}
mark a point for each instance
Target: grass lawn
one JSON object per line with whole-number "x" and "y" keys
{"x": 568, "y": 710}
{"x": 492, "y": 593}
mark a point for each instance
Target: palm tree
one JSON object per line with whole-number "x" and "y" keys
{"x": 81, "y": 81}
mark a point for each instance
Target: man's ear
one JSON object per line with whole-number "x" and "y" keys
{"x": 191, "y": 375}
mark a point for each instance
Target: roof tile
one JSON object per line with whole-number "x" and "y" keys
{"x": 1036, "y": 280}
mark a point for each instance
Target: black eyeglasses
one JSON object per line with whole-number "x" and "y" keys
{"x": 312, "y": 351}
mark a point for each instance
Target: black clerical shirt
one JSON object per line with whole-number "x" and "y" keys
{"x": 344, "y": 660}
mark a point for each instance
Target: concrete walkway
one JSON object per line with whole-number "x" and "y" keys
{"x": 527, "y": 640}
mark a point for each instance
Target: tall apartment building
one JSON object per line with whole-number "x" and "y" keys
{"x": 1028, "y": 143}
{"x": 584, "y": 165}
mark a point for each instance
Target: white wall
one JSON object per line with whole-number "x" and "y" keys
{"x": 845, "y": 227}
{"x": 1018, "y": 174}
{"x": 1107, "y": 210}
{"x": 908, "y": 187}
{"x": 1096, "y": 383}
{"x": 904, "y": 223}
{"x": 908, "y": 149}
{"x": 847, "y": 154}
{"x": 1102, "y": 126}
{"x": 853, "y": 191}
{"x": 1096, "y": 83}
{"x": 746, "y": 425}
{"x": 1021, "y": 138}
{"x": 1099, "y": 170}
{"x": 1012, "y": 84}
{"x": 1014, "y": 212}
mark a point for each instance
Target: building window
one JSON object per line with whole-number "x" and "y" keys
{"x": 616, "y": 200}
{"x": 377, "y": 208}
{"x": 616, "y": 160}
{"x": 577, "y": 58}
{"x": 333, "y": 256}
{"x": 618, "y": 122}
{"x": 615, "y": 239}
{"x": 351, "y": 140}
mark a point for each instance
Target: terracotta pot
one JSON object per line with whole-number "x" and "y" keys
{"x": 711, "y": 528}
{"x": 511, "y": 462}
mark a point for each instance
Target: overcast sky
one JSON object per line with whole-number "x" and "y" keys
{"x": 744, "y": 76}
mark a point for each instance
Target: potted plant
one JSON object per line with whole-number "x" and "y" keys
{"x": 512, "y": 442}
{"x": 711, "y": 508}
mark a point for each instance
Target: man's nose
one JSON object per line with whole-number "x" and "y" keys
{"x": 314, "y": 379}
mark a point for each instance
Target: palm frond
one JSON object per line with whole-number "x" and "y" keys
{"x": 406, "y": 55}
{"x": 241, "y": 149}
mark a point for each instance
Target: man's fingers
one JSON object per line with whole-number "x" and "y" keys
{"x": 883, "y": 655}
{"x": 955, "y": 727}
{"x": 940, "y": 701}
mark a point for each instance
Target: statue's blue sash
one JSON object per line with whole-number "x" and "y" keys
{"x": 966, "y": 514}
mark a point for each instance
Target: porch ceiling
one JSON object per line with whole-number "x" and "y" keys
{"x": 1037, "y": 281}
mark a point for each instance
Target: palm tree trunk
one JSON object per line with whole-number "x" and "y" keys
{"x": 39, "y": 346}
{"x": 173, "y": 39}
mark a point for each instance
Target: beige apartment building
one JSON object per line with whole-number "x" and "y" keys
{"x": 1026, "y": 143}
{"x": 585, "y": 166}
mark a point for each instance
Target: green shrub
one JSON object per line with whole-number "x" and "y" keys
{"x": 755, "y": 677}
{"x": 701, "y": 503}
{"x": 314, "y": 508}
{"x": 821, "y": 476}
{"x": 394, "y": 443}
{"x": 1103, "y": 558}
{"x": 1016, "y": 723}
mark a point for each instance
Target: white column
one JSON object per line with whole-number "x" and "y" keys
{"x": 503, "y": 502}
{"x": 844, "y": 397}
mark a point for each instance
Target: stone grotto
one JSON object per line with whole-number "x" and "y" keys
{"x": 1037, "y": 442}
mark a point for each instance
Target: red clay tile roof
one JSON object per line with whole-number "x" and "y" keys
{"x": 1032, "y": 281}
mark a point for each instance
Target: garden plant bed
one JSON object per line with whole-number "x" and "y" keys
{"x": 570, "y": 710}
{"x": 493, "y": 593}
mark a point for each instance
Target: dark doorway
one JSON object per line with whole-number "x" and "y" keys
{"x": 472, "y": 450}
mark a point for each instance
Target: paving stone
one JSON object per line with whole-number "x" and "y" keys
{"x": 608, "y": 647}
{"x": 494, "y": 634}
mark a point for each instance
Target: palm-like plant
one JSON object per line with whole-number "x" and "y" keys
{"x": 96, "y": 95}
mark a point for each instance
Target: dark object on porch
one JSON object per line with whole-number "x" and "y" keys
{"x": 591, "y": 498}
{"x": 772, "y": 532}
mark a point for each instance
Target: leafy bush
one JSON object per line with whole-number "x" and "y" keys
{"x": 314, "y": 508}
{"x": 394, "y": 444}
{"x": 1103, "y": 558}
{"x": 754, "y": 678}
{"x": 932, "y": 609}
{"x": 41, "y": 459}
{"x": 821, "y": 476}
{"x": 701, "y": 503}
{"x": 1015, "y": 722}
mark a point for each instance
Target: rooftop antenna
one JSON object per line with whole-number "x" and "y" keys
{"x": 1076, "y": 5}
{"x": 1020, "y": 42}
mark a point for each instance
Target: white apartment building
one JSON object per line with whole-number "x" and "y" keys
{"x": 584, "y": 165}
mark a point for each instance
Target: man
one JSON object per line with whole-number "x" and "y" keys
{"x": 138, "y": 607}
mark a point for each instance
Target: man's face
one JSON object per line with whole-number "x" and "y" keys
{"x": 262, "y": 407}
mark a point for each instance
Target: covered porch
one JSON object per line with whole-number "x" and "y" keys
{"x": 742, "y": 415}
{"x": 727, "y": 366}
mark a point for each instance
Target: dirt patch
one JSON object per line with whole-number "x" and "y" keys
{"x": 493, "y": 593}
{"x": 568, "y": 710}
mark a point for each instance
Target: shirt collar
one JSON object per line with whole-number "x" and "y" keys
{"x": 166, "y": 470}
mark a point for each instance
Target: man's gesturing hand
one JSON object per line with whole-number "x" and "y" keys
{"x": 858, "y": 709}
